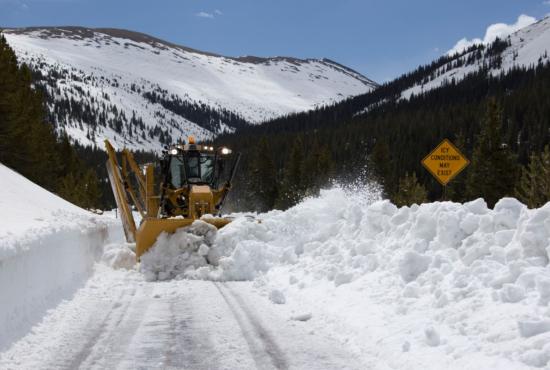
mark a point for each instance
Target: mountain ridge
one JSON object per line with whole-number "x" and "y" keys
{"x": 141, "y": 91}
{"x": 155, "y": 41}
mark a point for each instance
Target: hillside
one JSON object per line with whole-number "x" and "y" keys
{"x": 143, "y": 92}
{"x": 524, "y": 48}
{"x": 389, "y": 130}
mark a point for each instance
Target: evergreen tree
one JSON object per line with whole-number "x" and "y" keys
{"x": 69, "y": 189}
{"x": 28, "y": 143}
{"x": 410, "y": 191}
{"x": 91, "y": 190}
{"x": 264, "y": 175}
{"x": 533, "y": 187}
{"x": 8, "y": 76}
{"x": 380, "y": 160}
{"x": 317, "y": 169}
{"x": 71, "y": 162}
{"x": 493, "y": 170}
{"x": 292, "y": 185}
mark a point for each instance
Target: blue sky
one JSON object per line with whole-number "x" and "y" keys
{"x": 380, "y": 39}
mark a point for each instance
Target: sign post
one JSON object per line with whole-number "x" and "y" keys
{"x": 445, "y": 162}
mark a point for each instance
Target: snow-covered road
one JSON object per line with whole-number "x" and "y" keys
{"x": 120, "y": 321}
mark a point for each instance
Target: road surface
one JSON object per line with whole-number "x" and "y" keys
{"x": 120, "y": 321}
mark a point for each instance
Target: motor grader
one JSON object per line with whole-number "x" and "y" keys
{"x": 190, "y": 182}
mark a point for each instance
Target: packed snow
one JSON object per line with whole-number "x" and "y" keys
{"x": 119, "y": 256}
{"x": 104, "y": 68}
{"x": 440, "y": 285}
{"x": 48, "y": 248}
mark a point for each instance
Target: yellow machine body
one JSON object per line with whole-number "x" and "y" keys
{"x": 165, "y": 210}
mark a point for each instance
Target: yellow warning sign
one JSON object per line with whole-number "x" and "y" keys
{"x": 445, "y": 162}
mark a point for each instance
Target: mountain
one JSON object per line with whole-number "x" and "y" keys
{"x": 524, "y": 48}
{"x": 384, "y": 134}
{"x": 143, "y": 92}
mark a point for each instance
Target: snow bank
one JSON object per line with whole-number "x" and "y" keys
{"x": 456, "y": 285}
{"x": 47, "y": 250}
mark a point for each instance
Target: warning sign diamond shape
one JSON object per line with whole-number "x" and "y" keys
{"x": 445, "y": 162}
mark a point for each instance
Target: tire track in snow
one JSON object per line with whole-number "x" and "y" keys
{"x": 115, "y": 312}
{"x": 185, "y": 346}
{"x": 264, "y": 349}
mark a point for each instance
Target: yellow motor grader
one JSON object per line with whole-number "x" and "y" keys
{"x": 191, "y": 182}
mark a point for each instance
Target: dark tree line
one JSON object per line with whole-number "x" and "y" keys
{"x": 211, "y": 119}
{"x": 28, "y": 143}
{"x": 499, "y": 122}
{"x": 96, "y": 158}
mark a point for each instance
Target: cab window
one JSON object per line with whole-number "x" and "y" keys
{"x": 177, "y": 172}
{"x": 207, "y": 168}
{"x": 193, "y": 165}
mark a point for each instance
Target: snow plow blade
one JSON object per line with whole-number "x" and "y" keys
{"x": 150, "y": 229}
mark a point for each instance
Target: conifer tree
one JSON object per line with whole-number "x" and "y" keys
{"x": 69, "y": 189}
{"x": 28, "y": 142}
{"x": 380, "y": 160}
{"x": 410, "y": 191}
{"x": 317, "y": 169}
{"x": 8, "y": 73}
{"x": 292, "y": 185}
{"x": 493, "y": 171}
{"x": 71, "y": 162}
{"x": 533, "y": 187}
{"x": 91, "y": 189}
{"x": 264, "y": 175}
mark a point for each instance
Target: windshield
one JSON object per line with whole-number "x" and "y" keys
{"x": 177, "y": 172}
{"x": 194, "y": 168}
{"x": 207, "y": 168}
{"x": 199, "y": 169}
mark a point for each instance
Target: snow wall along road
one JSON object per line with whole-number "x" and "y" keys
{"x": 47, "y": 251}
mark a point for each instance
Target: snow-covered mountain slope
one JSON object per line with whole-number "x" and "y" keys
{"x": 142, "y": 92}
{"x": 524, "y": 48}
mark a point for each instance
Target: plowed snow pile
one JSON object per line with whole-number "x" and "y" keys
{"x": 173, "y": 255}
{"x": 438, "y": 286}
